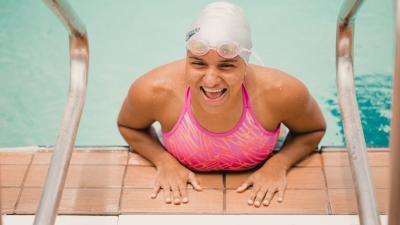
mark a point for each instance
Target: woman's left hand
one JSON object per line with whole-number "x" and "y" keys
{"x": 266, "y": 181}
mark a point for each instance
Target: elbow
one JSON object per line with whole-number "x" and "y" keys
{"x": 120, "y": 126}
{"x": 319, "y": 134}
{"x": 322, "y": 130}
{"x": 119, "y": 122}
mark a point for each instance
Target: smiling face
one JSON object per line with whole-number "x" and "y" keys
{"x": 215, "y": 82}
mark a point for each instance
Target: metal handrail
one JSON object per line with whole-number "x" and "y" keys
{"x": 357, "y": 150}
{"x": 394, "y": 205}
{"x": 79, "y": 62}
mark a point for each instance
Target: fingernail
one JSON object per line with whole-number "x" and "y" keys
{"x": 168, "y": 200}
{"x": 185, "y": 200}
{"x": 257, "y": 203}
{"x": 152, "y": 196}
{"x": 250, "y": 202}
{"x": 177, "y": 201}
{"x": 280, "y": 199}
{"x": 266, "y": 203}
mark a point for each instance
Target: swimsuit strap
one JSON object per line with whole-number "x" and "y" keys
{"x": 188, "y": 99}
{"x": 246, "y": 102}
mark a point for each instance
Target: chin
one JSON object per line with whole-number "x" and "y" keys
{"x": 213, "y": 108}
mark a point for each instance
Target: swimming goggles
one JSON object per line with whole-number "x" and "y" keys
{"x": 226, "y": 49}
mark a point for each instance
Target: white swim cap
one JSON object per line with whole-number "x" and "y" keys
{"x": 222, "y": 21}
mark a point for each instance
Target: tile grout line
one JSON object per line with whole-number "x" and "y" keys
{"x": 326, "y": 186}
{"x": 77, "y": 213}
{"x": 118, "y": 218}
{"x": 123, "y": 186}
{"x": 78, "y": 186}
{"x": 224, "y": 189}
{"x": 224, "y": 193}
{"x": 72, "y": 163}
{"x": 21, "y": 187}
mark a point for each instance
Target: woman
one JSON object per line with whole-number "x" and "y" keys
{"x": 219, "y": 113}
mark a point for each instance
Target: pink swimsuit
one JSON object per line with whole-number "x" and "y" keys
{"x": 241, "y": 148}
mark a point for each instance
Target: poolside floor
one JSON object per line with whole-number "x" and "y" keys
{"x": 119, "y": 182}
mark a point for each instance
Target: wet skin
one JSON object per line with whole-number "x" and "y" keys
{"x": 215, "y": 82}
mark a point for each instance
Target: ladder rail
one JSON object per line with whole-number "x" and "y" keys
{"x": 355, "y": 142}
{"x": 79, "y": 63}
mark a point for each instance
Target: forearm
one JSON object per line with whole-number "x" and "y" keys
{"x": 295, "y": 148}
{"x": 145, "y": 143}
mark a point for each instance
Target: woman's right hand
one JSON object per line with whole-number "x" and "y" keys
{"x": 173, "y": 178}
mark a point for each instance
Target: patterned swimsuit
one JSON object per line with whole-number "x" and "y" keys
{"x": 241, "y": 148}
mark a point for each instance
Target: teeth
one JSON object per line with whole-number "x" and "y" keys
{"x": 212, "y": 91}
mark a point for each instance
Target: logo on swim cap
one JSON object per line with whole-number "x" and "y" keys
{"x": 191, "y": 33}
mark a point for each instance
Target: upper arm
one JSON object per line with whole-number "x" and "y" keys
{"x": 149, "y": 97}
{"x": 138, "y": 108}
{"x": 300, "y": 112}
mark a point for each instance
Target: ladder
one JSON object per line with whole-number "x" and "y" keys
{"x": 357, "y": 151}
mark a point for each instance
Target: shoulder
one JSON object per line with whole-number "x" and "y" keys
{"x": 282, "y": 98}
{"x": 158, "y": 85}
{"x": 153, "y": 93}
{"x": 280, "y": 91}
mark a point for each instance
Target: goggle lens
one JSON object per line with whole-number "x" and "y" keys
{"x": 198, "y": 48}
{"x": 228, "y": 50}
{"x": 225, "y": 50}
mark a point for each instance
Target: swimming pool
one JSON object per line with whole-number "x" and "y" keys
{"x": 128, "y": 38}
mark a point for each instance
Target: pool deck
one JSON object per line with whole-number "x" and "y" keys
{"x": 118, "y": 182}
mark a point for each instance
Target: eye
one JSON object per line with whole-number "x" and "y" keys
{"x": 198, "y": 63}
{"x": 226, "y": 65}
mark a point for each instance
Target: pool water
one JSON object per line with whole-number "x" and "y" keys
{"x": 128, "y": 38}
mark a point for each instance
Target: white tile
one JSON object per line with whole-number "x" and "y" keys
{"x": 195, "y": 220}
{"x": 87, "y": 220}
{"x": 64, "y": 220}
{"x": 17, "y": 220}
{"x": 240, "y": 219}
{"x": 384, "y": 219}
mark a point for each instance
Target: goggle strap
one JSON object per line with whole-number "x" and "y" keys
{"x": 258, "y": 58}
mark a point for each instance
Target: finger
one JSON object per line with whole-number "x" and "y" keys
{"x": 281, "y": 193}
{"x": 244, "y": 186}
{"x": 176, "y": 194}
{"x": 252, "y": 196}
{"x": 167, "y": 194}
{"x": 182, "y": 189}
{"x": 260, "y": 196}
{"x": 155, "y": 191}
{"x": 194, "y": 182}
{"x": 270, "y": 194}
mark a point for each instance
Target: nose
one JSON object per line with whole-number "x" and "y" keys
{"x": 211, "y": 78}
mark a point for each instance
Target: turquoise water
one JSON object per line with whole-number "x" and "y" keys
{"x": 128, "y": 38}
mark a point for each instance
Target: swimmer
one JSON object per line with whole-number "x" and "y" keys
{"x": 218, "y": 112}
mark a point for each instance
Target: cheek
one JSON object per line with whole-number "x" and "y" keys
{"x": 234, "y": 79}
{"x": 193, "y": 76}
